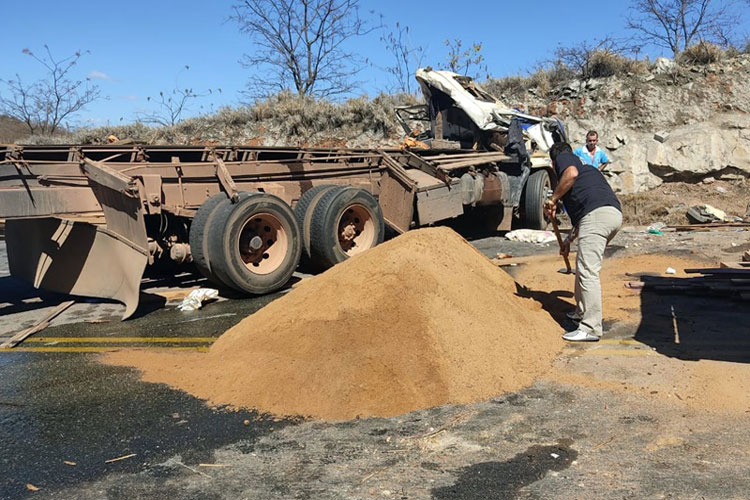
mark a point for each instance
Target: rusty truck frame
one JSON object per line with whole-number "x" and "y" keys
{"x": 88, "y": 219}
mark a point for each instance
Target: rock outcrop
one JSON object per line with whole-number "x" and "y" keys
{"x": 674, "y": 123}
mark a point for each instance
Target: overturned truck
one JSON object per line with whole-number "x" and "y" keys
{"x": 89, "y": 219}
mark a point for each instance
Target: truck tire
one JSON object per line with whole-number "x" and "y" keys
{"x": 535, "y": 193}
{"x": 255, "y": 244}
{"x": 197, "y": 235}
{"x": 345, "y": 222}
{"x": 303, "y": 212}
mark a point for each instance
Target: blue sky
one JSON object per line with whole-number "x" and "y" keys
{"x": 138, "y": 47}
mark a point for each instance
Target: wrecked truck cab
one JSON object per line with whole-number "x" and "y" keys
{"x": 462, "y": 115}
{"x": 459, "y": 115}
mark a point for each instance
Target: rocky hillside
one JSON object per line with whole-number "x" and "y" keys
{"x": 670, "y": 123}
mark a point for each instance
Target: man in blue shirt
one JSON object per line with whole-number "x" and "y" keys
{"x": 591, "y": 153}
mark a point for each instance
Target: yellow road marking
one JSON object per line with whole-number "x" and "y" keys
{"x": 145, "y": 340}
{"x": 89, "y": 349}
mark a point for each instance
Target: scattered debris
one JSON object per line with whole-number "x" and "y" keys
{"x": 40, "y": 325}
{"x": 671, "y": 270}
{"x": 703, "y": 214}
{"x": 68, "y": 462}
{"x": 197, "y": 297}
{"x": 124, "y": 457}
{"x": 31, "y": 487}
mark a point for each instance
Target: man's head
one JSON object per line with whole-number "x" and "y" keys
{"x": 559, "y": 148}
{"x": 592, "y": 138}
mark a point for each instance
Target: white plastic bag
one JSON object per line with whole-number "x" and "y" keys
{"x": 531, "y": 236}
{"x": 197, "y": 297}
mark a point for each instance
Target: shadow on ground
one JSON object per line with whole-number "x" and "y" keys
{"x": 503, "y": 480}
{"x": 694, "y": 327}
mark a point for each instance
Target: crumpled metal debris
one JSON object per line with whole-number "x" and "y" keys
{"x": 197, "y": 297}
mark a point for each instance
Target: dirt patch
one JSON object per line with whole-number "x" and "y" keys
{"x": 420, "y": 321}
{"x": 618, "y": 302}
{"x": 669, "y": 202}
{"x": 706, "y": 384}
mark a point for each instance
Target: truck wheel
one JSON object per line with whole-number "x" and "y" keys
{"x": 345, "y": 222}
{"x": 255, "y": 244}
{"x": 197, "y": 235}
{"x": 304, "y": 209}
{"x": 535, "y": 192}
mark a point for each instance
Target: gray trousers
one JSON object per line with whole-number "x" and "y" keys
{"x": 595, "y": 230}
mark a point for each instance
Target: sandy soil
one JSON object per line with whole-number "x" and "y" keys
{"x": 420, "y": 321}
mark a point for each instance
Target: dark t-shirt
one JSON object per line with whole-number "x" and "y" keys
{"x": 590, "y": 189}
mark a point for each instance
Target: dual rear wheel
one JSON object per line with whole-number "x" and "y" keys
{"x": 255, "y": 245}
{"x": 252, "y": 246}
{"x": 338, "y": 223}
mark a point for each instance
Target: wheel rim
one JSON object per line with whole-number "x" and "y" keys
{"x": 356, "y": 230}
{"x": 263, "y": 243}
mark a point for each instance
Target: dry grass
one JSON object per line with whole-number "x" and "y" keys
{"x": 605, "y": 63}
{"x": 701, "y": 53}
{"x": 11, "y": 130}
{"x": 284, "y": 119}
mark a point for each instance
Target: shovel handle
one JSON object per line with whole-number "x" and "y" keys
{"x": 560, "y": 242}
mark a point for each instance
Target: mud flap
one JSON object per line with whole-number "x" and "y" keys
{"x": 76, "y": 258}
{"x": 79, "y": 258}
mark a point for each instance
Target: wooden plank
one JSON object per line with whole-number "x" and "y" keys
{"x": 734, "y": 265}
{"x": 40, "y": 325}
{"x": 718, "y": 271}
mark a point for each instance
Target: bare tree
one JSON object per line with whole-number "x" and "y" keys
{"x": 407, "y": 57}
{"x": 46, "y": 104}
{"x": 677, "y": 24}
{"x": 170, "y": 106}
{"x": 465, "y": 61}
{"x": 300, "y": 45}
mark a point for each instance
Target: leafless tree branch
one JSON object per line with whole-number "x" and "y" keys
{"x": 678, "y": 24}
{"x": 300, "y": 45}
{"x": 47, "y": 104}
{"x": 406, "y": 57}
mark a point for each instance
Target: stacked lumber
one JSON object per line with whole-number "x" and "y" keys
{"x": 730, "y": 280}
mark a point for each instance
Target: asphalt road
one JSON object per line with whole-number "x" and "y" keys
{"x": 73, "y": 428}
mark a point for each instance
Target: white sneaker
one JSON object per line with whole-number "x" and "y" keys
{"x": 580, "y": 336}
{"x": 574, "y": 315}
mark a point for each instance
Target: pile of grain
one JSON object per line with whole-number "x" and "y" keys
{"x": 419, "y": 321}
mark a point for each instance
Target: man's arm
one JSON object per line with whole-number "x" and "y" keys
{"x": 568, "y": 178}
